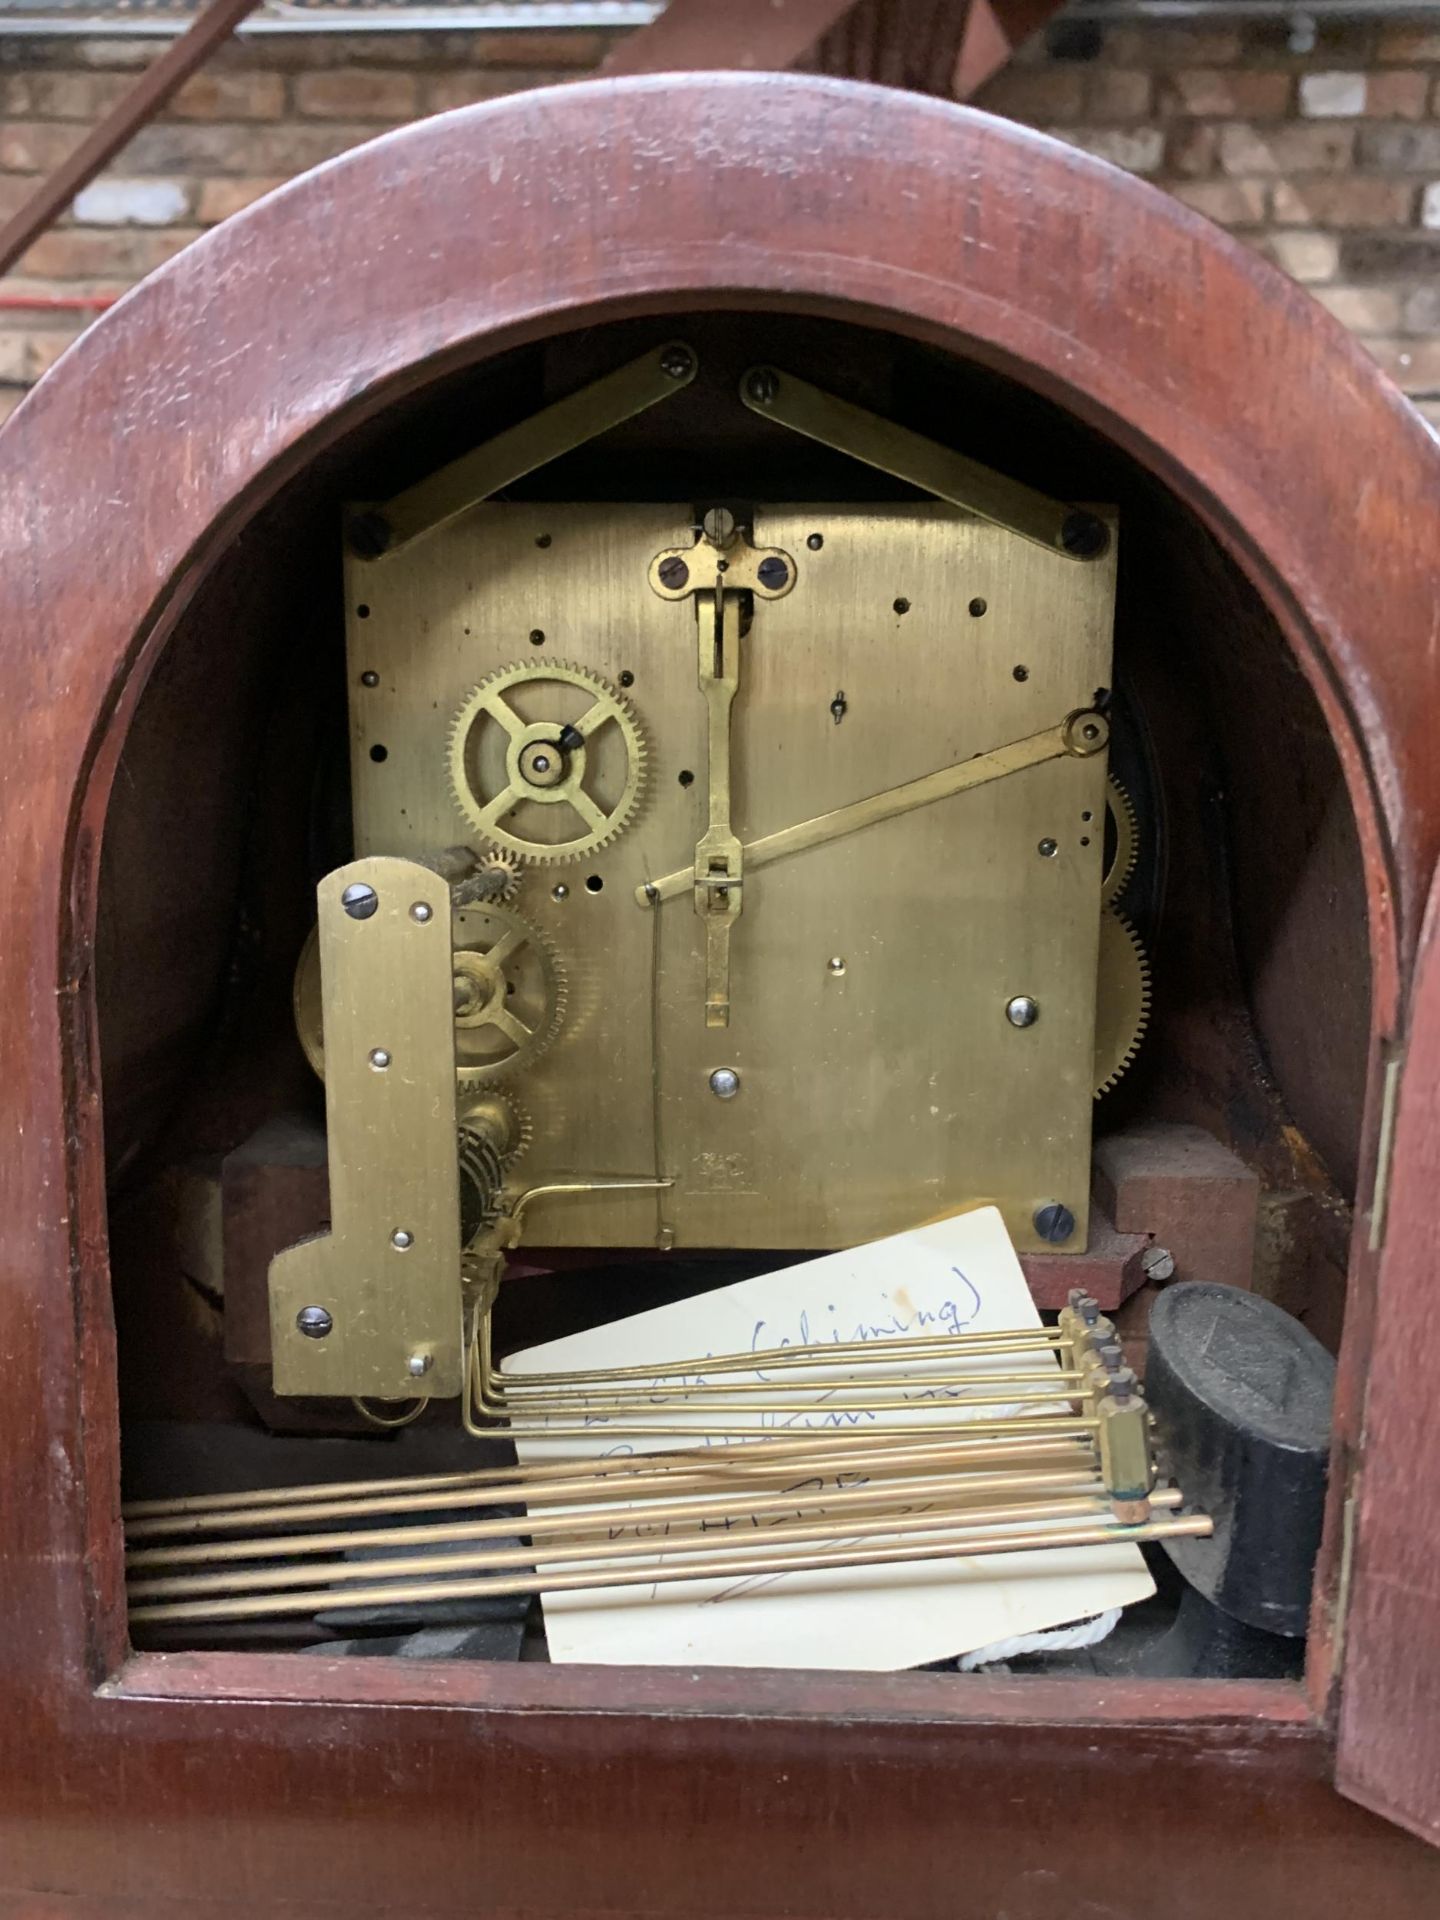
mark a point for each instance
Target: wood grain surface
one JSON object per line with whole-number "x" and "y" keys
{"x": 291, "y": 1785}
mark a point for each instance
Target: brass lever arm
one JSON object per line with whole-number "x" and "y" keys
{"x": 719, "y": 857}
{"x": 896, "y": 450}
{"x": 530, "y": 443}
{"x": 1081, "y": 735}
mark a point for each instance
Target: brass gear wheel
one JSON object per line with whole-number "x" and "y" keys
{"x": 509, "y": 992}
{"x": 1120, "y": 816}
{"x": 547, "y": 762}
{"x": 500, "y": 1117}
{"x": 1122, "y": 999}
{"x": 494, "y": 879}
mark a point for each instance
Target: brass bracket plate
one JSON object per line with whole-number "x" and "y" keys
{"x": 768, "y": 572}
{"x": 387, "y": 1275}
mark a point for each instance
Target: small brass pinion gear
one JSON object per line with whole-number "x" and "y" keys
{"x": 547, "y": 762}
{"x": 1122, "y": 999}
{"x": 509, "y": 996}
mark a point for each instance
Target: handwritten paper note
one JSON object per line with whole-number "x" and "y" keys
{"x": 956, "y": 1276}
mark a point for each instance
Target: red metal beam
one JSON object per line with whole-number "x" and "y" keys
{"x": 154, "y": 87}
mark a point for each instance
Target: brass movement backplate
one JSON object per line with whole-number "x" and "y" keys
{"x": 869, "y": 1077}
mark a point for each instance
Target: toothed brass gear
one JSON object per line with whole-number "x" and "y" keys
{"x": 495, "y": 879}
{"x": 547, "y": 762}
{"x": 1122, "y": 999}
{"x": 500, "y": 1117}
{"x": 509, "y": 993}
{"x": 1120, "y": 815}
{"x": 509, "y": 996}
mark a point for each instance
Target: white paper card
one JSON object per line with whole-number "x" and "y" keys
{"x": 955, "y": 1276}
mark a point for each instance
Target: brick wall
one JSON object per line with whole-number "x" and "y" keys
{"x": 1327, "y": 161}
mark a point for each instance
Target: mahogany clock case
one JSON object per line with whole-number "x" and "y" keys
{"x": 174, "y": 627}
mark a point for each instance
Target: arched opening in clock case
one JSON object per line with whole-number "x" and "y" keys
{"x": 232, "y": 799}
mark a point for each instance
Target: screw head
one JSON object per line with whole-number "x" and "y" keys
{"x": 562, "y": 892}
{"x": 369, "y": 535}
{"x": 379, "y": 1059}
{"x": 402, "y": 1238}
{"x": 314, "y": 1322}
{"x": 674, "y": 573}
{"x": 772, "y": 572}
{"x": 718, "y": 526}
{"x": 1047, "y": 849}
{"x": 724, "y": 1083}
{"x": 422, "y": 911}
{"x": 762, "y": 385}
{"x": 676, "y": 362}
{"x": 1022, "y": 1011}
{"x": 1054, "y": 1222}
{"x": 359, "y": 901}
{"x": 836, "y": 963}
{"x": 1158, "y": 1263}
{"x": 1082, "y": 535}
{"x": 814, "y": 541}
{"x": 419, "y": 1364}
{"x": 369, "y": 678}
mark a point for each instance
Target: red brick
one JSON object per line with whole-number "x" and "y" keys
{"x": 81, "y": 253}
{"x": 354, "y": 93}
{"x": 445, "y": 91}
{"x": 1307, "y": 257}
{"x": 1242, "y": 94}
{"x": 1150, "y": 45}
{"x": 220, "y": 198}
{"x": 230, "y": 96}
{"x": 1409, "y": 42}
{"x": 1291, "y": 148}
{"x": 1363, "y": 309}
{"x": 1137, "y": 149}
{"x": 1232, "y": 203}
{"x": 35, "y": 146}
{"x": 1035, "y": 95}
{"x": 1191, "y": 148}
{"x": 1414, "y": 365}
{"x": 1396, "y": 96}
{"x": 574, "y": 51}
{"x": 1117, "y": 93}
{"x": 1356, "y": 202}
{"x": 200, "y": 148}
{"x": 63, "y": 96}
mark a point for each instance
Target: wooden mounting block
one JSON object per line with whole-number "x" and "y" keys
{"x": 137, "y": 1785}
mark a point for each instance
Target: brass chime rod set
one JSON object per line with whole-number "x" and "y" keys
{"x": 923, "y": 1481}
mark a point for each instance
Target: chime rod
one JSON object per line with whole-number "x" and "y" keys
{"x": 768, "y": 1454}
{"x": 584, "y": 1549}
{"x": 607, "y": 1427}
{"x": 1060, "y": 1384}
{"x": 734, "y": 1503}
{"x": 746, "y": 1567}
{"x": 815, "y": 1353}
{"x": 445, "y": 1502}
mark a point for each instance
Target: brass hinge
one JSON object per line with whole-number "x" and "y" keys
{"x": 1385, "y": 1154}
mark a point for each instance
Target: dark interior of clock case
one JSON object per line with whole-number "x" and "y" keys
{"x": 231, "y": 800}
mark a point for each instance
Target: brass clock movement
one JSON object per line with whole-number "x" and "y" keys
{"x": 727, "y": 874}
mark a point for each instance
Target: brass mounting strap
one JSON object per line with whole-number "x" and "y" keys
{"x": 441, "y": 496}
{"x": 905, "y": 455}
